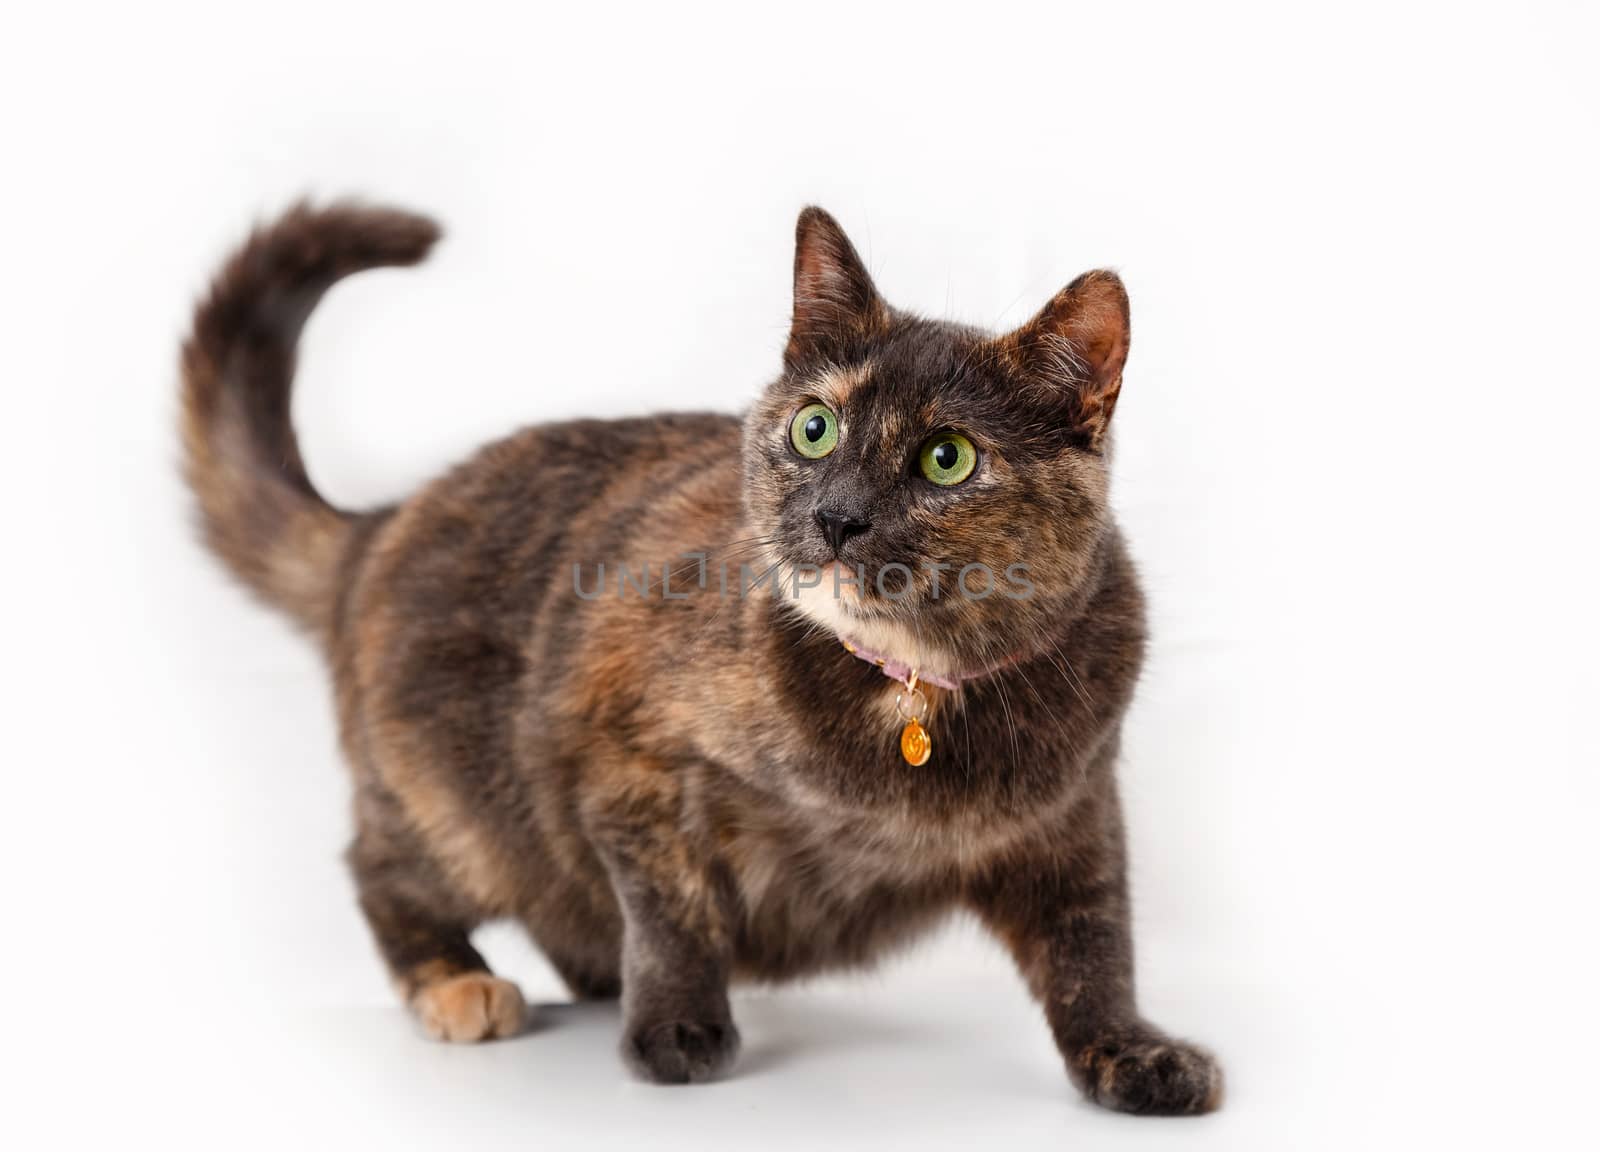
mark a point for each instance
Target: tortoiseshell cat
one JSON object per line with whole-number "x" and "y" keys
{"x": 675, "y": 787}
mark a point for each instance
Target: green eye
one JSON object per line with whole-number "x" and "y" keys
{"x": 814, "y": 431}
{"x": 948, "y": 458}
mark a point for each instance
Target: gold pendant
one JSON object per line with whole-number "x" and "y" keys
{"x": 915, "y": 744}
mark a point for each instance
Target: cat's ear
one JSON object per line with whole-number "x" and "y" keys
{"x": 834, "y": 297}
{"x": 1074, "y": 349}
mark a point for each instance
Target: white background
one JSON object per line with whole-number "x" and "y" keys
{"x": 1355, "y": 463}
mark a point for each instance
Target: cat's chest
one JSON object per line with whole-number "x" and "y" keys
{"x": 806, "y": 901}
{"x": 847, "y": 849}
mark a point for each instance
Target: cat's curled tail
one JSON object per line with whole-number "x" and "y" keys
{"x": 258, "y": 510}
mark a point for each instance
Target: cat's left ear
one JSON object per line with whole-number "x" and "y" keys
{"x": 834, "y": 297}
{"x": 1074, "y": 349}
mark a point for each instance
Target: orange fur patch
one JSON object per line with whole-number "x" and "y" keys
{"x": 468, "y": 1008}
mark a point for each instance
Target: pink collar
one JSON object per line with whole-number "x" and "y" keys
{"x": 903, "y": 672}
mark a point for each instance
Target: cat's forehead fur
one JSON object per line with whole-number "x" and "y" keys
{"x": 916, "y": 376}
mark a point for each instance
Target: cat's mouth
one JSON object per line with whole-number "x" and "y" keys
{"x": 851, "y": 599}
{"x": 840, "y": 592}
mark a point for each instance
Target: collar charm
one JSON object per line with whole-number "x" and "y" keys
{"x": 912, "y": 704}
{"x": 915, "y": 743}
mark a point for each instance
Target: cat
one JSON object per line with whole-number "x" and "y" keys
{"x": 695, "y": 768}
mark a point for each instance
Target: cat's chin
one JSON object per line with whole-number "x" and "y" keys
{"x": 870, "y": 626}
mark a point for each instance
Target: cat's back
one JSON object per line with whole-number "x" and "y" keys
{"x": 437, "y": 612}
{"x": 482, "y": 538}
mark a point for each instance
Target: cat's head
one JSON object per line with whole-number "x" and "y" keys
{"x": 916, "y": 450}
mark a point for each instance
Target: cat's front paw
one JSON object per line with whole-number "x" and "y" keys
{"x": 680, "y": 1051}
{"x": 1146, "y": 1073}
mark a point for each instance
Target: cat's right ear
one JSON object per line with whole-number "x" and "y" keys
{"x": 834, "y": 297}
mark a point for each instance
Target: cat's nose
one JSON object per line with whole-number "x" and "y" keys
{"x": 840, "y": 526}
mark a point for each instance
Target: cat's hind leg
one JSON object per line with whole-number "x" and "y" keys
{"x": 422, "y": 930}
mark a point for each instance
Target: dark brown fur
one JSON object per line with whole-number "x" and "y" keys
{"x": 669, "y": 793}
